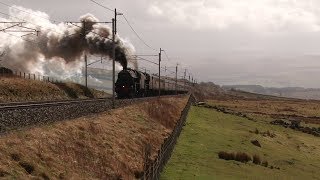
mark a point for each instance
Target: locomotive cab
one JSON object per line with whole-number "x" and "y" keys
{"x": 125, "y": 84}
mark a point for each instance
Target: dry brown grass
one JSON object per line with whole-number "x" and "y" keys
{"x": 17, "y": 89}
{"x": 285, "y": 107}
{"x": 307, "y": 111}
{"x": 104, "y": 146}
{"x": 164, "y": 111}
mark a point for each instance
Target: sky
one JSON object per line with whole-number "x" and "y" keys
{"x": 274, "y": 43}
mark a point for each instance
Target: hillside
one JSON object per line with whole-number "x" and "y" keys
{"x": 19, "y": 90}
{"x": 289, "y": 92}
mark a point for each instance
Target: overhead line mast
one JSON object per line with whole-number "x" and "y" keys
{"x": 114, "y": 33}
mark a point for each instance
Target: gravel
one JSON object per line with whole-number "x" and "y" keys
{"x": 13, "y": 118}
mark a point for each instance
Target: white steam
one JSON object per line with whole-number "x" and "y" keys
{"x": 59, "y": 48}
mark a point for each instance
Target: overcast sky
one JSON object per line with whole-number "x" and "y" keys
{"x": 266, "y": 42}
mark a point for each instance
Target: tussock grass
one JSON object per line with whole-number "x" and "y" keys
{"x": 164, "y": 111}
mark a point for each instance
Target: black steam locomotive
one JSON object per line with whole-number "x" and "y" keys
{"x": 132, "y": 83}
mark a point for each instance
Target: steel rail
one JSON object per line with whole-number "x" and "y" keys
{"x": 35, "y": 104}
{"x": 22, "y": 105}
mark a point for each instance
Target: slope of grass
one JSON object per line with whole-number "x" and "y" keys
{"x": 208, "y": 132}
{"x": 102, "y": 146}
{"x": 19, "y": 90}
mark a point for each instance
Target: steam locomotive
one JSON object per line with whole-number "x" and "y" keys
{"x": 132, "y": 83}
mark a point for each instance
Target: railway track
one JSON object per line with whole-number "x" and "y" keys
{"x": 31, "y": 104}
{"x": 25, "y": 114}
{"x": 18, "y": 105}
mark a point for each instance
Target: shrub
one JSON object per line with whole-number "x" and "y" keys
{"x": 256, "y": 159}
{"x": 242, "y": 157}
{"x": 265, "y": 163}
{"x": 226, "y": 156}
{"x": 256, "y": 131}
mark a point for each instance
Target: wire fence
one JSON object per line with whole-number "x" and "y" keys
{"x": 24, "y": 75}
{"x": 153, "y": 168}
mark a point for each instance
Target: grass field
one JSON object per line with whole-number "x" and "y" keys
{"x": 207, "y": 132}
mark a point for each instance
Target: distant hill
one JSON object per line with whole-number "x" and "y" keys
{"x": 208, "y": 90}
{"x": 290, "y": 92}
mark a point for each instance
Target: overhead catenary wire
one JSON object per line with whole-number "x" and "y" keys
{"x": 139, "y": 36}
{"x": 27, "y": 21}
{"x": 135, "y": 32}
{"x": 93, "y": 1}
{"x": 11, "y": 6}
{"x": 105, "y": 7}
{"x": 129, "y": 24}
{"x": 166, "y": 55}
{"x": 143, "y": 59}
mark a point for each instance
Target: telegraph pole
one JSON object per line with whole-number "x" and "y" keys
{"x": 85, "y": 55}
{"x": 177, "y": 79}
{"x": 86, "y": 69}
{"x": 184, "y": 77}
{"x": 114, "y": 33}
{"x": 159, "y": 71}
{"x": 165, "y": 78}
{"x": 113, "y": 60}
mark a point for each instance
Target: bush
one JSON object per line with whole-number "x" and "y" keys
{"x": 256, "y": 159}
{"x": 265, "y": 163}
{"x": 256, "y": 131}
{"x": 242, "y": 157}
{"x": 226, "y": 156}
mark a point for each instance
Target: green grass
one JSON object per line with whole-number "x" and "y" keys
{"x": 207, "y": 132}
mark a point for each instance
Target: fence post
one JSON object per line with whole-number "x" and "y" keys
{"x": 152, "y": 169}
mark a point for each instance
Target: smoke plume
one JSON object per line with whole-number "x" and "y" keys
{"x": 58, "y": 48}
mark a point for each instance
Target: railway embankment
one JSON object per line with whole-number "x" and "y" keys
{"x": 26, "y": 115}
{"x": 106, "y": 145}
{"x": 14, "y": 89}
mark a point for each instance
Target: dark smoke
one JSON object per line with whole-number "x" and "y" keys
{"x": 96, "y": 39}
